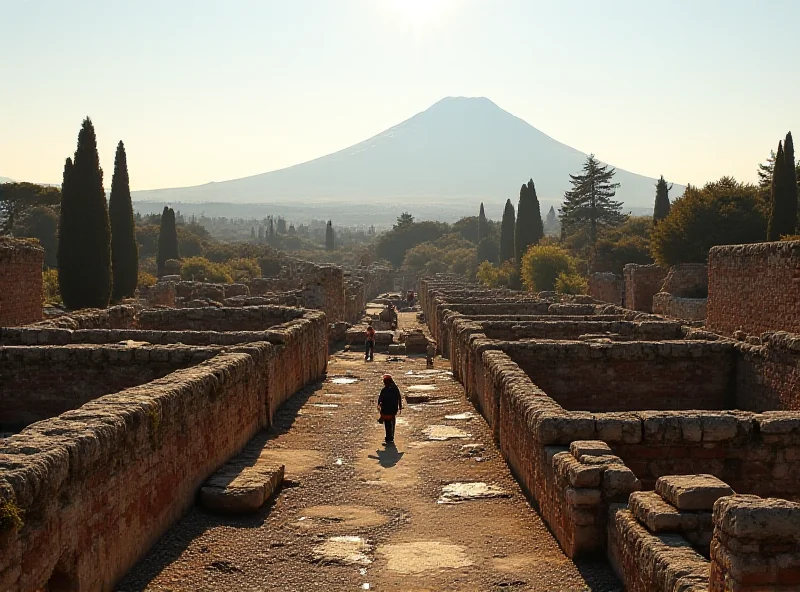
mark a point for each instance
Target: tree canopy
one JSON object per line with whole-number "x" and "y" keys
{"x": 661, "y": 207}
{"x": 724, "y": 212}
{"x": 167, "y": 240}
{"x": 483, "y": 225}
{"x": 124, "y": 251}
{"x": 507, "y": 227}
{"x": 589, "y": 204}
{"x": 529, "y": 228}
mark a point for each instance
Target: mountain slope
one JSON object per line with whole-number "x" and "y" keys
{"x": 460, "y": 148}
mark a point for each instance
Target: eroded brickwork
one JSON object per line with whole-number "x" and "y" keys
{"x": 20, "y": 282}
{"x": 642, "y": 282}
{"x": 607, "y": 287}
{"x": 754, "y": 288}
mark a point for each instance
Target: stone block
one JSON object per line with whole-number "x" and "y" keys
{"x": 240, "y": 488}
{"x": 751, "y": 517}
{"x": 580, "y": 448}
{"x": 692, "y": 492}
{"x": 619, "y": 482}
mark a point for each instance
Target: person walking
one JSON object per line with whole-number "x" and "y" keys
{"x": 390, "y": 405}
{"x": 369, "y": 346}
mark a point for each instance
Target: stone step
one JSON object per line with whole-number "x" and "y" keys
{"x": 241, "y": 486}
{"x": 692, "y": 492}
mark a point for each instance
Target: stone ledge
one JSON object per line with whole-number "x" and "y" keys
{"x": 241, "y": 487}
{"x": 692, "y": 492}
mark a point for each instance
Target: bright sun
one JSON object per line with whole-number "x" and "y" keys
{"x": 418, "y": 12}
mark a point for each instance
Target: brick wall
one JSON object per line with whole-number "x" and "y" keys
{"x": 98, "y": 485}
{"x": 246, "y": 318}
{"x": 630, "y": 375}
{"x": 768, "y": 375}
{"x": 754, "y": 288}
{"x": 21, "y": 286}
{"x": 113, "y": 317}
{"x": 43, "y": 381}
{"x": 689, "y": 309}
{"x": 687, "y": 280}
{"x": 606, "y": 287}
{"x": 641, "y": 283}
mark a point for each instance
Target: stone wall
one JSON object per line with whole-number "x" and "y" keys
{"x": 690, "y": 309}
{"x": 768, "y": 373}
{"x": 754, "y": 288}
{"x": 43, "y": 381}
{"x": 606, "y": 287}
{"x": 113, "y": 317}
{"x": 98, "y": 485}
{"x": 21, "y": 286}
{"x": 326, "y": 293}
{"x": 247, "y": 318}
{"x": 631, "y": 375}
{"x": 687, "y": 280}
{"x": 642, "y": 282}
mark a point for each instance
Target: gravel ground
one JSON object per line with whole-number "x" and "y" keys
{"x": 355, "y": 515}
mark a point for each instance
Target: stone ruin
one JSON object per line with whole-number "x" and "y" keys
{"x": 112, "y": 420}
{"x": 671, "y": 449}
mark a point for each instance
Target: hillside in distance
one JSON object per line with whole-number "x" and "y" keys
{"x": 460, "y": 149}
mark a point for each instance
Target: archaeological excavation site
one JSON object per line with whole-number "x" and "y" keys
{"x": 642, "y": 437}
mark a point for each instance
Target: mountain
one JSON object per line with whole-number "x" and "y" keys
{"x": 459, "y": 149}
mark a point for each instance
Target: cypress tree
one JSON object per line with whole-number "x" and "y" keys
{"x": 661, "y": 207}
{"x": 507, "y": 233}
{"x": 330, "y": 242}
{"x": 790, "y": 170}
{"x": 124, "y": 251}
{"x": 84, "y": 244}
{"x": 589, "y": 204}
{"x": 271, "y": 227}
{"x": 483, "y": 225}
{"x": 167, "y": 240}
{"x": 529, "y": 229}
{"x": 778, "y": 198}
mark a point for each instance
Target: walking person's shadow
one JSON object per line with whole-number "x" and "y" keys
{"x": 388, "y": 457}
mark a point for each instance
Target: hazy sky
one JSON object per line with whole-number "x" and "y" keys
{"x": 201, "y": 90}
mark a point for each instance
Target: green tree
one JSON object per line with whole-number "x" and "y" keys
{"x": 393, "y": 245}
{"x": 16, "y": 199}
{"x": 487, "y": 250}
{"x": 661, "y": 208}
{"x": 84, "y": 242}
{"x": 589, "y": 204}
{"x": 551, "y": 223}
{"x": 529, "y": 228}
{"x": 507, "y": 233}
{"x": 330, "y": 240}
{"x": 41, "y": 222}
{"x": 483, "y": 225}
{"x": 403, "y": 220}
{"x": 167, "y": 240}
{"x": 541, "y": 266}
{"x": 721, "y": 213}
{"x": 626, "y": 243}
{"x": 790, "y": 171}
{"x": 124, "y": 251}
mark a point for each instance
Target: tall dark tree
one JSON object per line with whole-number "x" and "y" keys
{"x": 529, "y": 229}
{"x": 661, "y": 207}
{"x": 281, "y": 226}
{"x": 167, "y": 240}
{"x": 483, "y": 225}
{"x": 124, "y": 251}
{"x": 84, "y": 245}
{"x": 271, "y": 227}
{"x": 507, "y": 233}
{"x": 589, "y": 205}
{"x": 330, "y": 241}
{"x": 778, "y": 197}
{"x": 790, "y": 170}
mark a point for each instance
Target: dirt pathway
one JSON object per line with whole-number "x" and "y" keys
{"x": 356, "y": 515}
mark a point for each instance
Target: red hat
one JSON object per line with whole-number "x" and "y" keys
{"x": 387, "y": 377}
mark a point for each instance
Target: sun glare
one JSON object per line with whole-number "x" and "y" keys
{"x": 418, "y": 12}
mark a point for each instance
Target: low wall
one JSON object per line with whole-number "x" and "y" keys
{"x": 754, "y": 288}
{"x": 41, "y": 382}
{"x": 607, "y": 287}
{"x": 245, "y": 318}
{"x": 689, "y": 309}
{"x": 21, "y": 286}
{"x": 630, "y": 375}
{"x": 113, "y": 317}
{"x": 642, "y": 282}
{"x": 581, "y": 326}
{"x": 768, "y": 375}
{"x": 687, "y": 280}
{"x": 98, "y": 485}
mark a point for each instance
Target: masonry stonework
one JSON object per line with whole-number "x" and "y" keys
{"x": 642, "y": 282}
{"x": 21, "y": 281}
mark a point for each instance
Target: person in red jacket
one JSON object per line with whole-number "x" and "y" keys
{"x": 369, "y": 346}
{"x": 390, "y": 405}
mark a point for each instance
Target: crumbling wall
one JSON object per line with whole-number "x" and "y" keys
{"x": 21, "y": 286}
{"x": 768, "y": 374}
{"x": 326, "y": 293}
{"x": 43, "y": 381}
{"x": 606, "y": 287}
{"x": 642, "y": 282}
{"x": 246, "y": 318}
{"x": 114, "y": 317}
{"x": 687, "y": 280}
{"x": 754, "y": 288}
{"x": 626, "y": 376}
{"x": 690, "y": 309}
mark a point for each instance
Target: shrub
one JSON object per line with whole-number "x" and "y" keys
{"x": 496, "y": 276}
{"x": 148, "y": 264}
{"x": 571, "y": 283}
{"x": 244, "y": 269}
{"x": 200, "y": 269}
{"x": 50, "y": 291}
{"x": 541, "y": 266}
{"x": 146, "y": 279}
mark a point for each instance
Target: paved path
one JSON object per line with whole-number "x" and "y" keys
{"x": 356, "y": 515}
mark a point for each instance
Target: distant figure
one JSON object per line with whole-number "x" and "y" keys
{"x": 369, "y": 346}
{"x": 410, "y": 297}
{"x": 390, "y": 404}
